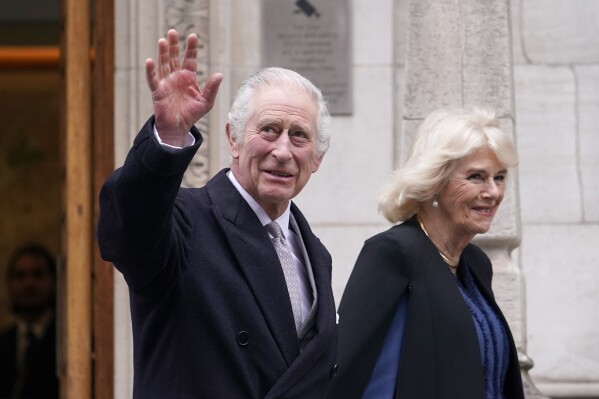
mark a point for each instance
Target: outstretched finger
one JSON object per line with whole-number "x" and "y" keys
{"x": 173, "y": 42}
{"x": 211, "y": 88}
{"x": 151, "y": 75}
{"x": 163, "y": 59}
{"x": 190, "y": 59}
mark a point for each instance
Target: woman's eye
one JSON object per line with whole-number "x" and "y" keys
{"x": 476, "y": 177}
{"x": 500, "y": 178}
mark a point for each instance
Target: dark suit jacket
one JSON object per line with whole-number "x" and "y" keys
{"x": 210, "y": 309}
{"x": 440, "y": 355}
{"x": 42, "y": 382}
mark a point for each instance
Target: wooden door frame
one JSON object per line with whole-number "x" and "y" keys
{"x": 103, "y": 165}
{"x": 86, "y": 363}
{"x": 75, "y": 318}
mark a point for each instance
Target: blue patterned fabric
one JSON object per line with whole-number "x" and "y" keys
{"x": 494, "y": 349}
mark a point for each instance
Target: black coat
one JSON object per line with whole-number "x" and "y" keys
{"x": 440, "y": 355}
{"x": 210, "y": 310}
{"x": 42, "y": 381}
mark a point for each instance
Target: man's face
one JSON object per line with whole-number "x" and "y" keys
{"x": 31, "y": 285}
{"x": 277, "y": 156}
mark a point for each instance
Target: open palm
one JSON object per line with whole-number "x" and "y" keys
{"x": 177, "y": 99}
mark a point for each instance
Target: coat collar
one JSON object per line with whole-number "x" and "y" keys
{"x": 257, "y": 260}
{"x": 259, "y": 264}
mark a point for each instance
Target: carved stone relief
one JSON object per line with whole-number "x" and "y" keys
{"x": 192, "y": 16}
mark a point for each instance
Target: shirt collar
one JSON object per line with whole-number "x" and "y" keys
{"x": 38, "y": 327}
{"x": 282, "y": 220}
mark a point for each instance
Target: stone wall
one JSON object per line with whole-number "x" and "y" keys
{"x": 556, "y": 76}
{"x": 556, "y": 57}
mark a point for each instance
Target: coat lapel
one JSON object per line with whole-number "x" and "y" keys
{"x": 513, "y": 382}
{"x": 259, "y": 264}
{"x": 8, "y": 369}
{"x": 437, "y": 319}
{"x": 319, "y": 341}
{"x": 257, "y": 260}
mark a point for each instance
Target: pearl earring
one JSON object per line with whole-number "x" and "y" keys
{"x": 436, "y": 201}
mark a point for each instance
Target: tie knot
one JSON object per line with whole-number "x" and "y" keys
{"x": 274, "y": 229}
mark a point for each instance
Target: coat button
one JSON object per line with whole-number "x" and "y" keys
{"x": 243, "y": 338}
{"x": 334, "y": 370}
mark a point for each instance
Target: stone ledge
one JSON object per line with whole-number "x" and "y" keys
{"x": 567, "y": 390}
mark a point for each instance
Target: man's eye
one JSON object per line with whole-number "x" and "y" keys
{"x": 500, "y": 178}
{"x": 299, "y": 135}
{"x": 268, "y": 131}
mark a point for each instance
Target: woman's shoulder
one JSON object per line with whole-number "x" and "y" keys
{"x": 402, "y": 234}
{"x": 396, "y": 245}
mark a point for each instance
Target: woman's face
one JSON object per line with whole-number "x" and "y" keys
{"x": 473, "y": 193}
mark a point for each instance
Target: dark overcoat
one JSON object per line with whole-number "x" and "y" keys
{"x": 41, "y": 381}
{"x": 209, "y": 305}
{"x": 440, "y": 357}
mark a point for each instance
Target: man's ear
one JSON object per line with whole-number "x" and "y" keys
{"x": 317, "y": 161}
{"x": 233, "y": 146}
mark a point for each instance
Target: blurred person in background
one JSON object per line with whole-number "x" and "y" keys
{"x": 28, "y": 347}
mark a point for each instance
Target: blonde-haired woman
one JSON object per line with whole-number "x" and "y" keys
{"x": 418, "y": 318}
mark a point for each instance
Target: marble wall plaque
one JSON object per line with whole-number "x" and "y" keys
{"x": 313, "y": 38}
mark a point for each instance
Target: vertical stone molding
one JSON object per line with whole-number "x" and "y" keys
{"x": 459, "y": 53}
{"x": 136, "y": 33}
{"x": 138, "y": 25}
{"x": 192, "y": 16}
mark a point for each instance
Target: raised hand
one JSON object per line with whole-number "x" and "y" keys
{"x": 177, "y": 99}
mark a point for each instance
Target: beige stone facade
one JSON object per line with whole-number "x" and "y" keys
{"x": 545, "y": 80}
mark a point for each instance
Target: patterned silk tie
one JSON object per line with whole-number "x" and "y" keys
{"x": 288, "y": 270}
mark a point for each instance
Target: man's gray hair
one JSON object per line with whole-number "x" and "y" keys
{"x": 242, "y": 106}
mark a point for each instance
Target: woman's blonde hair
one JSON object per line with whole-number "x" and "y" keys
{"x": 445, "y": 136}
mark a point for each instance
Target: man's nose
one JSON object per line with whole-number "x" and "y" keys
{"x": 282, "y": 150}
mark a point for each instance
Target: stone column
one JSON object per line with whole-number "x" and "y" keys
{"x": 459, "y": 53}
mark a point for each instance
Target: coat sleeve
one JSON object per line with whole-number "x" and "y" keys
{"x": 378, "y": 281}
{"x": 141, "y": 221}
